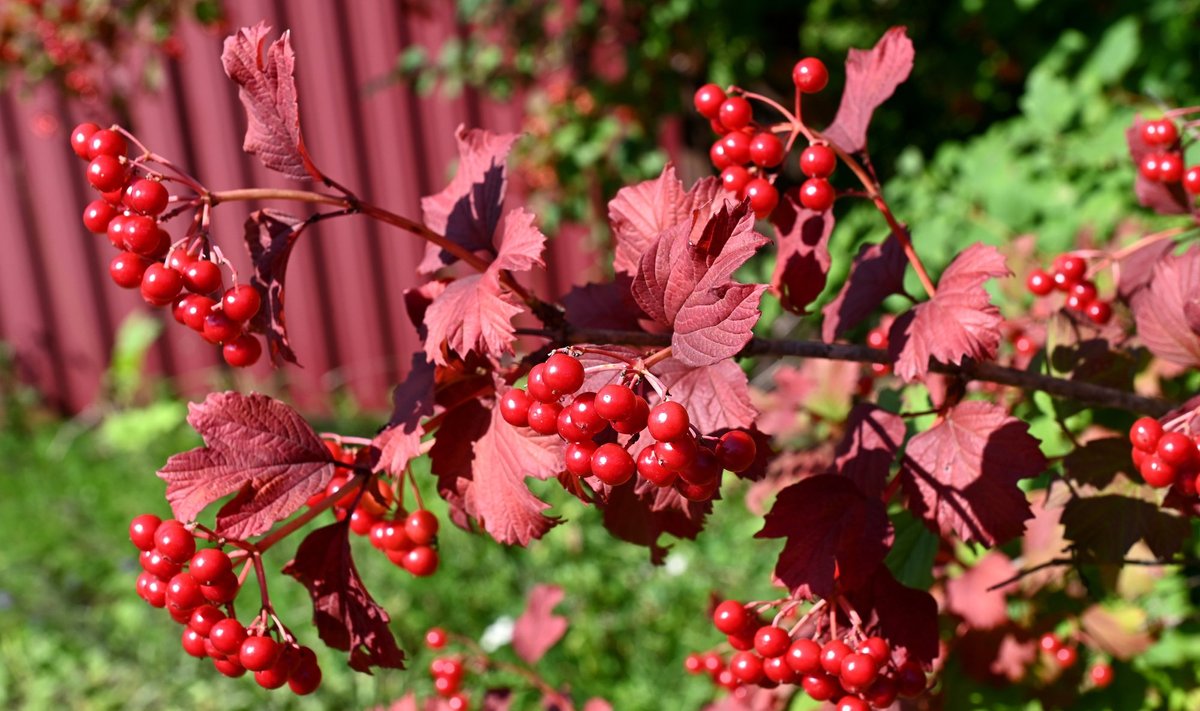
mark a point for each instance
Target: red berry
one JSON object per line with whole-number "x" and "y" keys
{"x": 1162, "y": 132}
{"x": 578, "y": 457}
{"x": 241, "y": 302}
{"x": 421, "y": 527}
{"x": 615, "y": 402}
{"x": 538, "y": 390}
{"x": 676, "y": 454}
{"x": 734, "y": 179}
{"x": 568, "y": 430}
{"x": 858, "y": 671}
{"x": 1101, "y": 675}
{"x": 737, "y": 147}
{"x": 563, "y": 374}
{"x": 763, "y": 197}
{"x": 816, "y": 194}
{"x": 258, "y": 653}
{"x": 832, "y": 654}
{"x": 222, "y": 591}
{"x": 804, "y": 656}
{"x": 1066, "y": 656}
{"x": 179, "y": 260}
{"x": 81, "y": 135}
{"x": 1039, "y": 282}
{"x": 668, "y": 420}
{"x": 910, "y": 680}
{"x": 394, "y": 538}
{"x": 876, "y": 648}
{"x": 747, "y": 667}
{"x": 1170, "y": 167}
{"x": 708, "y": 100}
{"x": 219, "y": 328}
{"x": 421, "y": 561}
{"x": 161, "y": 284}
{"x": 704, "y": 470}
{"x": 612, "y": 465}
{"x": 652, "y": 469}
{"x": 1157, "y": 472}
{"x": 97, "y": 215}
{"x": 141, "y": 235}
{"x": 230, "y": 667}
{"x": 820, "y": 687}
{"x": 435, "y": 638}
{"x": 141, "y": 531}
{"x": 1145, "y": 433}
{"x": 195, "y": 309}
{"x": 278, "y": 674}
{"x": 1071, "y": 267}
{"x": 543, "y": 416}
{"x": 209, "y": 565}
{"x": 183, "y": 592}
{"x": 1149, "y": 169}
{"x": 584, "y": 415}
{"x": 1191, "y": 180}
{"x": 106, "y": 173}
{"x": 514, "y": 407}
{"x": 766, "y": 150}
{"x": 159, "y": 565}
{"x": 148, "y": 197}
{"x": 1099, "y": 312}
{"x": 203, "y": 618}
{"x": 736, "y": 450}
{"x": 306, "y": 676}
{"x": 106, "y": 142}
{"x": 361, "y": 521}
{"x": 730, "y": 617}
{"x": 242, "y": 352}
{"x": 174, "y": 541}
{"x": 202, "y": 277}
{"x": 818, "y": 161}
{"x": 810, "y": 75}
{"x": 152, "y": 589}
{"x": 637, "y": 421}
{"x": 777, "y": 670}
{"x": 735, "y": 113}
{"x": 227, "y": 636}
{"x": 693, "y": 664}
{"x": 697, "y": 492}
{"x": 881, "y": 694}
{"x": 743, "y": 640}
{"x": 771, "y": 641}
{"x": 1175, "y": 448}
{"x": 193, "y": 643}
{"x": 851, "y": 703}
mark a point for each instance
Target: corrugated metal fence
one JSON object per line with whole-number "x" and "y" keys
{"x": 58, "y": 308}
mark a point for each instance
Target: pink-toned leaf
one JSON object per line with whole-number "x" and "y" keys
{"x": 867, "y": 450}
{"x": 1104, "y": 528}
{"x": 1014, "y": 657}
{"x": 685, "y": 283}
{"x": 871, "y": 77}
{"x": 473, "y": 313}
{"x": 597, "y": 704}
{"x": 815, "y": 385}
{"x": 412, "y": 400}
{"x": 468, "y": 210}
{"x": 1163, "y": 198}
{"x": 270, "y": 235}
{"x": 1043, "y": 540}
{"x": 904, "y": 616}
{"x": 961, "y": 475}
{"x": 1162, "y": 321}
{"x": 252, "y": 442}
{"x": 968, "y": 595}
{"x": 267, "y": 89}
{"x": 752, "y": 698}
{"x": 717, "y": 396}
{"x": 538, "y": 628}
{"x": 451, "y": 458}
{"x": 803, "y": 261}
{"x": 876, "y": 273}
{"x": 346, "y": 616}
{"x": 1137, "y": 269}
{"x": 417, "y": 301}
{"x": 1122, "y": 635}
{"x": 639, "y": 213}
{"x": 836, "y": 537}
{"x": 958, "y": 322}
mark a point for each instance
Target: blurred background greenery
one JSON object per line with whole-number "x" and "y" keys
{"x": 1011, "y": 124}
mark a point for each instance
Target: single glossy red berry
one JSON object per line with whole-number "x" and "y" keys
{"x": 1072, "y": 268}
{"x": 543, "y": 417}
{"x": 816, "y": 194}
{"x": 743, "y": 640}
{"x": 106, "y": 142}
{"x": 1098, "y": 312}
{"x": 804, "y": 656}
{"x": 538, "y": 390}
{"x": 514, "y": 407}
{"x": 747, "y": 667}
{"x": 612, "y": 465}
{"x": 736, "y": 450}
{"x": 584, "y": 415}
{"x": 771, "y": 641}
{"x": 242, "y": 352}
{"x": 183, "y": 592}
{"x": 704, "y": 470}
{"x": 1157, "y": 472}
{"x": 174, "y": 541}
{"x": 219, "y": 328}
{"x": 735, "y": 113}
{"x": 227, "y": 636}
{"x": 911, "y": 680}
{"x": 730, "y": 617}
{"x": 361, "y": 521}
{"x": 819, "y": 687}
{"x": 148, "y": 197}
{"x": 717, "y": 155}
{"x": 241, "y": 302}
{"x": 1145, "y": 433}
{"x": 832, "y": 654}
{"x": 615, "y": 402}
{"x": 421, "y": 561}
{"x": 97, "y": 215}
{"x": 766, "y": 150}
{"x": 577, "y": 457}
{"x": 563, "y": 374}
{"x": 876, "y": 648}
{"x": 818, "y": 161}
{"x": 421, "y": 526}
{"x": 697, "y": 492}
{"x": 763, "y": 197}
{"x": 1170, "y": 167}
{"x": 159, "y": 565}
{"x": 1149, "y": 168}
{"x": 810, "y": 75}
{"x": 193, "y": 643}
{"x": 1175, "y": 448}
{"x": 693, "y": 664}
{"x": 152, "y": 589}
{"x": 179, "y": 260}
{"x": 1039, "y": 282}
{"x": 160, "y": 284}
{"x": 140, "y": 235}
{"x": 1161, "y": 132}
{"x": 568, "y": 430}
{"x": 851, "y": 703}
{"x": 209, "y": 565}
{"x": 116, "y": 229}
{"x": 106, "y": 173}
{"x": 652, "y": 469}
{"x": 734, "y": 179}
{"x": 858, "y": 671}
{"x": 1191, "y": 180}
{"x": 737, "y": 147}
{"x": 1066, "y": 656}
{"x": 258, "y": 652}
{"x": 278, "y": 674}
{"x": 306, "y": 676}
{"x": 637, "y": 421}
{"x": 141, "y": 531}
{"x": 81, "y": 136}
{"x": 204, "y": 617}
{"x": 1101, "y": 675}
{"x": 676, "y": 454}
{"x": 202, "y": 277}
{"x": 435, "y": 638}
{"x": 708, "y": 100}
{"x": 195, "y": 309}
{"x": 668, "y": 420}
{"x": 777, "y": 670}
{"x": 222, "y": 591}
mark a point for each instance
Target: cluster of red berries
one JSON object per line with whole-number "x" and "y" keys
{"x": 857, "y": 670}
{"x": 1166, "y": 164}
{"x": 408, "y": 540}
{"x": 744, "y": 152}
{"x": 1165, "y": 458}
{"x": 127, "y": 213}
{"x": 1064, "y": 656}
{"x": 447, "y": 671}
{"x": 677, "y": 457}
{"x": 194, "y": 598}
{"x": 1068, "y": 274}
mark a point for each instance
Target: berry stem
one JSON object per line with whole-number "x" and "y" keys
{"x": 804, "y": 619}
{"x": 291, "y": 526}
{"x": 769, "y": 102}
{"x": 655, "y": 358}
{"x": 1141, "y": 242}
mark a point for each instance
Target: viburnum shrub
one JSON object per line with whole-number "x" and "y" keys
{"x": 632, "y": 396}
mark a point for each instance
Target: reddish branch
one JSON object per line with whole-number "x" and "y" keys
{"x": 1075, "y": 562}
{"x": 986, "y": 372}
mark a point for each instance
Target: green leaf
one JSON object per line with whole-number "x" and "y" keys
{"x": 911, "y": 557}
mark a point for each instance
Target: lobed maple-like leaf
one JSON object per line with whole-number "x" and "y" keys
{"x": 270, "y": 236}
{"x": 717, "y": 396}
{"x": 641, "y": 513}
{"x": 876, "y": 273}
{"x": 961, "y": 475}
{"x": 607, "y": 305}
{"x": 1163, "y": 198}
{"x": 836, "y": 537}
{"x": 958, "y": 322}
{"x": 871, "y": 77}
{"x": 538, "y": 628}
{"x": 1137, "y": 268}
{"x": 1161, "y": 309}
{"x": 412, "y": 400}
{"x": 473, "y": 313}
{"x": 802, "y": 263}
{"x": 267, "y": 88}
{"x": 969, "y": 596}
{"x": 638, "y": 214}
{"x": 467, "y": 211}
{"x": 867, "y": 450}
{"x": 904, "y": 616}
{"x": 346, "y": 616}
{"x": 1119, "y": 631}
{"x": 255, "y": 446}
{"x": 1098, "y": 461}
{"x": 1104, "y": 528}
{"x": 684, "y": 283}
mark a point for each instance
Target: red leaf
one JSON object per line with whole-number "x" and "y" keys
{"x": 685, "y": 283}
{"x": 1160, "y": 309}
{"x": 639, "y": 213}
{"x": 958, "y": 322}
{"x": 270, "y": 235}
{"x": 640, "y": 513}
{"x": 836, "y": 537}
{"x": 412, "y": 400}
{"x": 866, "y": 452}
{"x": 468, "y": 210}
{"x": 346, "y": 616}
{"x": 968, "y": 596}
{"x": 871, "y": 77}
{"x": 251, "y": 441}
{"x": 803, "y": 260}
{"x": 268, "y": 93}
{"x": 473, "y": 313}
{"x": 1163, "y": 198}
{"x": 961, "y": 475}
{"x": 905, "y": 617}
{"x": 1104, "y": 528}
{"x": 609, "y": 305}
{"x": 876, "y": 273}
{"x": 1098, "y": 461}
{"x": 1137, "y": 269}
{"x": 538, "y": 628}
{"x": 717, "y": 396}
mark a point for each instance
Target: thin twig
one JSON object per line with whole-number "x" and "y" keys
{"x": 1073, "y": 562}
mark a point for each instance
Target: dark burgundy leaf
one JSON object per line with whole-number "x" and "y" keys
{"x": 451, "y": 457}
{"x": 866, "y": 452}
{"x": 905, "y": 617}
{"x": 640, "y": 513}
{"x": 609, "y": 305}
{"x": 1097, "y": 462}
{"x": 270, "y": 235}
{"x": 1137, "y": 269}
{"x": 412, "y": 401}
{"x": 961, "y": 475}
{"x": 958, "y": 322}
{"x": 538, "y": 628}
{"x": 871, "y": 77}
{"x": 996, "y": 655}
{"x": 1163, "y": 198}
{"x": 969, "y": 597}
{"x": 685, "y": 283}
{"x": 468, "y": 210}
{"x": 802, "y": 263}
{"x": 268, "y": 93}
{"x": 640, "y": 213}
{"x": 877, "y": 273}
{"x": 346, "y": 616}
{"x": 417, "y": 301}
{"x": 255, "y": 442}
{"x": 1104, "y": 528}
{"x": 1162, "y": 322}
{"x": 836, "y": 537}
